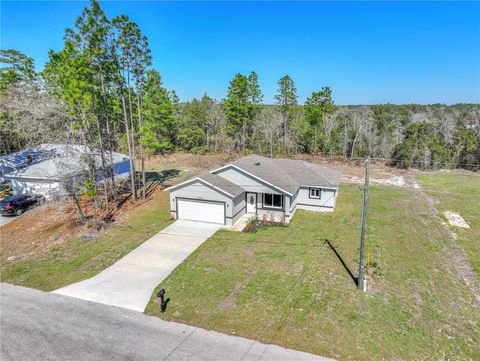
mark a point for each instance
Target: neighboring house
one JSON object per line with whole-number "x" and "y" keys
{"x": 23, "y": 158}
{"x": 50, "y": 177}
{"x": 266, "y": 187}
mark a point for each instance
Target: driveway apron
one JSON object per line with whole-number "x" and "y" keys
{"x": 130, "y": 281}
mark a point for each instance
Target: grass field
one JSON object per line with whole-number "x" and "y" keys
{"x": 459, "y": 193}
{"x": 293, "y": 290}
{"x": 78, "y": 259}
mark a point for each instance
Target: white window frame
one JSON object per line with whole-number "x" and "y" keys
{"x": 315, "y": 190}
{"x": 273, "y": 196}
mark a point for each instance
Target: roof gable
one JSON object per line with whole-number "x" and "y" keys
{"x": 287, "y": 175}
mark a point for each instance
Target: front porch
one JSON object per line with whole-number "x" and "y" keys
{"x": 272, "y": 207}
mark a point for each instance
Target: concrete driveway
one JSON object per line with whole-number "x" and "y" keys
{"x": 129, "y": 282}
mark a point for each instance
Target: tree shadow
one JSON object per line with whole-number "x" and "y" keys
{"x": 354, "y": 279}
{"x": 156, "y": 179}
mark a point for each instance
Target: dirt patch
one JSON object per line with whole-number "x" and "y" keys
{"x": 188, "y": 160}
{"x": 228, "y": 304}
{"x": 456, "y": 253}
{"x": 456, "y": 219}
{"x": 51, "y": 224}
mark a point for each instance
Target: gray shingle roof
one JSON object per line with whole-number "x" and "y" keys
{"x": 67, "y": 162}
{"x": 288, "y": 174}
{"x": 222, "y": 183}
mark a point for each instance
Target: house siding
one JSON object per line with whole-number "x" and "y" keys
{"x": 200, "y": 191}
{"x": 248, "y": 183}
{"x": 47, "y": 188}
{"x": 238, "y": 208}
{"x": 301, "y": 200}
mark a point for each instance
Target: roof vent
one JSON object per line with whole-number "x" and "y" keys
{"x": 257, "y": 163}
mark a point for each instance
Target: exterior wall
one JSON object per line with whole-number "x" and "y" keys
{"x": 245, "y": 181}
{"x": 48, "y": 189}
{"x": 201, "y": 191}
{"x": 4, "y": 170}
{"x": 273, "y": 214}
{"x": 326, "y": 203}
{"x": 238, "y": 208}
{"x": 120, "y": 170}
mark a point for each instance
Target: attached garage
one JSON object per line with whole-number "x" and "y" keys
{"x": 207, "y": 198}
{"x": 200, "y": 210}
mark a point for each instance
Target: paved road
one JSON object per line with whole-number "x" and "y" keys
{"x": 5, "y": 220}
{"x": 129, "y": 283}
{"x": 44, "y": 326}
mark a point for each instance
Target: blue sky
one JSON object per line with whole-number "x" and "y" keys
{"x": 374, "y": 52}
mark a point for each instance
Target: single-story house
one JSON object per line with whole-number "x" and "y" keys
{"x": 266, "y": 187}
{"x": 50, "y": 177}
{"x": 23, "y": 158}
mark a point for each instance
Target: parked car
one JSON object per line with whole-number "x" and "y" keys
{"x": 16, "y": 205}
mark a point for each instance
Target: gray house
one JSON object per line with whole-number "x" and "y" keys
{"x": 51, "y": 168}
{"x": 269, "y": 188}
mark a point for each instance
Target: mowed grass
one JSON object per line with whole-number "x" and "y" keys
{"x": 417, "y": 307}
{"x": 77, "y": 259}
{"x": 459, "y": 193}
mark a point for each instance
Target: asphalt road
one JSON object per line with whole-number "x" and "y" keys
{"x": 6, "y": 219}
{"x": 44, "y": 326}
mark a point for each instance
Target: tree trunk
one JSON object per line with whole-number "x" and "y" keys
{"x": 129, "y": 141}
{"x": 102, "y": 154}
{"x": 109, "y": 134}
{"x": 132, "y": 127}
{"x": 142, "y": 147}
{"x": 352, "y": 154}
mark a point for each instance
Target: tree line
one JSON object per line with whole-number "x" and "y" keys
{"x": 101, "y": 90}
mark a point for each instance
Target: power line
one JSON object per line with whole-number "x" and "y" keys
{"x": 374, "y": 182}
{"x": 283, "y": 303}
{"x": 424, "y": 162}
{"x": 235, "y": 290}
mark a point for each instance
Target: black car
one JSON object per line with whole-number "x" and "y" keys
{"x": 16, "y": 205}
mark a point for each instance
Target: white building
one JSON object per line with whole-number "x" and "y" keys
{"x": 51, "y": 168}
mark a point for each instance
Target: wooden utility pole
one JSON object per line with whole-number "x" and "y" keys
{"x": 361, "y": 275}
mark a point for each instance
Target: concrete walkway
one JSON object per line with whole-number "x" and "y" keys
{"x": 129, "y": 282}
{"x": 43, "y": 326}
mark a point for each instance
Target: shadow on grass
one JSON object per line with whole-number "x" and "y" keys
{"x": 354, "y": 279}
{"x": 156, "y": 179}
{"x": 152, "y": 180}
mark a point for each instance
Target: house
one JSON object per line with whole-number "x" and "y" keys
{"x": 66, "y": 165}
{"x": 23, "y": 158}
{"x": 266, "y": 187}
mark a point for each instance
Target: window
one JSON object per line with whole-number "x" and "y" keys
{"x": 272, "y": 200}
{"x": 315, "y": 193}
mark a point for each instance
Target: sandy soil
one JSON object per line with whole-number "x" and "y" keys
{"x": 456, "y": 219}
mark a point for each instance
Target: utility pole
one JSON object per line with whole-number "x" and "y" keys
{"x": 361, "y": 276}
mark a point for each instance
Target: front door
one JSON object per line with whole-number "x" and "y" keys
{"x": 251, "y": 202}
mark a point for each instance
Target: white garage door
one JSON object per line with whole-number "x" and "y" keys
{"x": 204, "y": 211}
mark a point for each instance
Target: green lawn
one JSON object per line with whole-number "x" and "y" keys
{"x": 459, "y": 193}
{"x": 417, "y": 306}
{"x": 78, "y": 259}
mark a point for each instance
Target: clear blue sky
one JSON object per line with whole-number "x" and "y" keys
{"x": 368, "y": 53}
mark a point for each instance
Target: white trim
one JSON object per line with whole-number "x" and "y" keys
{"x": 252, "y": 175}
{"x": 315, "y": 189}
{"x": 201, "y": 181}
{"x": 318, "y": 186}
{"x": 264, "y": 206}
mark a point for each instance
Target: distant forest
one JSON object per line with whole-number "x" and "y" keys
{"x": 101, "y": 90}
